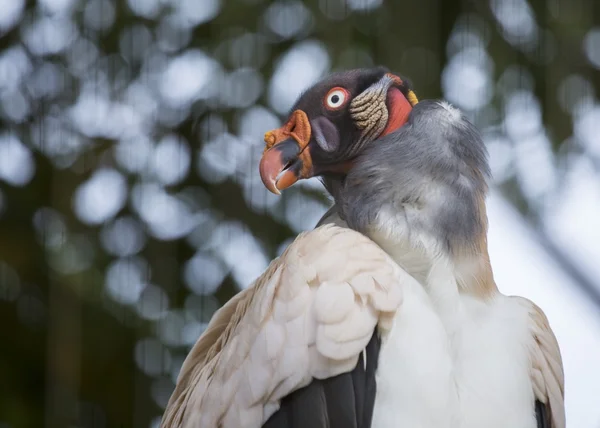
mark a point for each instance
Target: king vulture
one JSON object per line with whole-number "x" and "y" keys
{"x": 386, "y": 314}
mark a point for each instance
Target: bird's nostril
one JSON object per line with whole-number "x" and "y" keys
{"x": 287, "y": 166}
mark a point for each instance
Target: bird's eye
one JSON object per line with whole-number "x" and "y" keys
{"x": 336, "y": 98}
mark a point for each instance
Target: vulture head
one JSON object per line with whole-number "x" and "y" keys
{"x": 398, "y": 169}
{"x": 331, "y": 123}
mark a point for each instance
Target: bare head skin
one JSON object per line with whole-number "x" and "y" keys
{"x": 377, "y": 151}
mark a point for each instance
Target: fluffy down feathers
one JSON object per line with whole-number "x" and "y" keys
{"x": 308, "y": 316}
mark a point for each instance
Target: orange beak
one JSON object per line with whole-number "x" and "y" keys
{"x": 287, "y": 157}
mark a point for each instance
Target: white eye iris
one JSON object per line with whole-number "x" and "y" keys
{"x": 336, "y": 98}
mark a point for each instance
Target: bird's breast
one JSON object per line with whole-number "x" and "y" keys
{"x": 471, "y": 376}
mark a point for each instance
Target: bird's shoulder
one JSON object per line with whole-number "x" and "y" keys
{"x": 309, "y": 315}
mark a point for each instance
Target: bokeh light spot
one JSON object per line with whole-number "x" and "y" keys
{"x": 101, "y": 197}
{"x": 16, "y": 161}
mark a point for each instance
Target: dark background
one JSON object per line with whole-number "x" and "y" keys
{"x": 130, "y": 203}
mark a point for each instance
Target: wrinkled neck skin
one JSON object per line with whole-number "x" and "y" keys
{"x": 420, "y": 194}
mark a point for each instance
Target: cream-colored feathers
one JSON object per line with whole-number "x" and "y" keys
{"x": 312, "y": 313}
{"x": 309, "y": 315}
{"x": 547, "y": 373}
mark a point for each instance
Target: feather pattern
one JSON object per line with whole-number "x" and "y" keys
{"x": 342, "y": 401}
{"x": 547, "y": 373}
{"x": 304, "y": 318}
{"x": 546, "y": 370}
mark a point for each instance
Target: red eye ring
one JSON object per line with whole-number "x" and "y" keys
{"x": 336, "y": 98}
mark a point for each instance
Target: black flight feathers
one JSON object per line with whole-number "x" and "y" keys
{"x": 343, "y": 401}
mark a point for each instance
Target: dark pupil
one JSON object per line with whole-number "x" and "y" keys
{"x": 335, "y": 99}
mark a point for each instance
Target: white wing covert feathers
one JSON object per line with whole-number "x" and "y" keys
{"x": 309, "y": 315}
{"x": 547, "y": 375}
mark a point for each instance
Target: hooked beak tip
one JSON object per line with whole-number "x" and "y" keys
{"x": 271, "y": 186}
{"x": 268, "y": 173}
{"x": 274, "y": 168}
{"x": 286, "y": 161}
